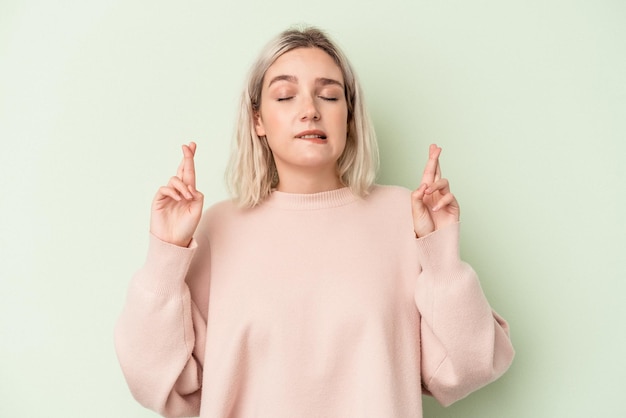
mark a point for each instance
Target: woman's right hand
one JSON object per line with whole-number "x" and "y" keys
{"x": 177, "y": 207}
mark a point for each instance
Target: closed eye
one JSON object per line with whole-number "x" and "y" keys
{"x": 282, "y": 99}
{"x": 330, "y": 99}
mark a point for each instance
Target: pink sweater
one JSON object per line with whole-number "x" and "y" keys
{"x": 321, "y": 305}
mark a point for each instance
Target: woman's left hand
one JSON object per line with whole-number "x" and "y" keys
{"x": 433, "y": 205}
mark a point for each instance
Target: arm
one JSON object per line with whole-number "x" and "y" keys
{"x": 159, "y": 337}
{"x": 465, "y": 345}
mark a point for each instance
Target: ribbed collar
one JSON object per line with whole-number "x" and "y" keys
{"x": 312, "y": 201}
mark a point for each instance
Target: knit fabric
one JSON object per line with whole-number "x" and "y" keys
{"x": 316, "y": 305}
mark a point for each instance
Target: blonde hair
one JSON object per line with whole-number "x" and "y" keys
{"x": 252, "y": 173}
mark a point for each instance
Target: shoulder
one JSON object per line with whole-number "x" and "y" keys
{"x": 390, "y": 201}
{"x": 389, "y": 194}
{"x": 217, "y": 214}
{"x": 222, "y": 208}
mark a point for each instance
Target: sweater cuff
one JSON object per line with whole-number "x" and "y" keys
{"x": 166, "y": 267}
{"x": 439, "y": 250}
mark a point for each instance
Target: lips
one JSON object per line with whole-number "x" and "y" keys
{"x": 312, "y": 134}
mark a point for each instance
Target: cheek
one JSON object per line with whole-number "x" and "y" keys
{"x": 271, "y": 120}
{"x": 344, "y": 117}
{"x": 342, "y": 121}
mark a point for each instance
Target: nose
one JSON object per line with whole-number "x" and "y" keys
{"x": 310, "y": 110}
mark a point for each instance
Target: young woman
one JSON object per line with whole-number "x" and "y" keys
{"x": 313, "y": 292}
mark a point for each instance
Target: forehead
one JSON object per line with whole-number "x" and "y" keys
{"x": 304, "y": 63}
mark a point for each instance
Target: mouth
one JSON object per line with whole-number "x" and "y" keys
{"x": 314, "y": 135}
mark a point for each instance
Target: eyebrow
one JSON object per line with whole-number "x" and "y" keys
{"x": 289, "y": 78}
{"x": 329, "y": 81}
{"x": 293, "y": 79}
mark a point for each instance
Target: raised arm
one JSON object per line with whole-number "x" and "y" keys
{"x": 465, "y": 345}
{"x": 160, "y": 334}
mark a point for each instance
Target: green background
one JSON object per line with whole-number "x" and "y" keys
{"x": 527, "y": 99}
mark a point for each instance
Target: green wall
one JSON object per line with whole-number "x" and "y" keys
{"x": 527, "y": 98}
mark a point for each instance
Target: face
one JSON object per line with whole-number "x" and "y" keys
{"x": 304, "y": 113}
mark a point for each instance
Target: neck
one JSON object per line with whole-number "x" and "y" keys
{"x": 305, "y": 183}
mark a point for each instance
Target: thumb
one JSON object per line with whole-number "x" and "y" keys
{"x": 422, "y": 221}
{"x": 417, "y": 198}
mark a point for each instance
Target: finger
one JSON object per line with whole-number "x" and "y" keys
{"x": 180, "y": 170}
{"x": 430, "y": 171}
{"x": 441, "y": 185}
{"x": 167, "y": 192}
{"x": 180, "y": 187}
{"x": 446, "y": 200}
{"x": 438, "y": 171}
{"x": 189, "y": 169}
{"x": 196, "y": 194}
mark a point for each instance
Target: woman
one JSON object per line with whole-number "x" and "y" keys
{"x": 313, "y": 292}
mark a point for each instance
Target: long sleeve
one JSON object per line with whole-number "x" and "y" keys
{"x": 159, "y": 337}
{"x": 465, "y": 345}
{"x": 307, "y": 306}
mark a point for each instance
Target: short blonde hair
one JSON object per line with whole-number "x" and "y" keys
{"x": 252, "y": 173}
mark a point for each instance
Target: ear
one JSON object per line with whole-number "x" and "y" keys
{"x": 258, "y": 125}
